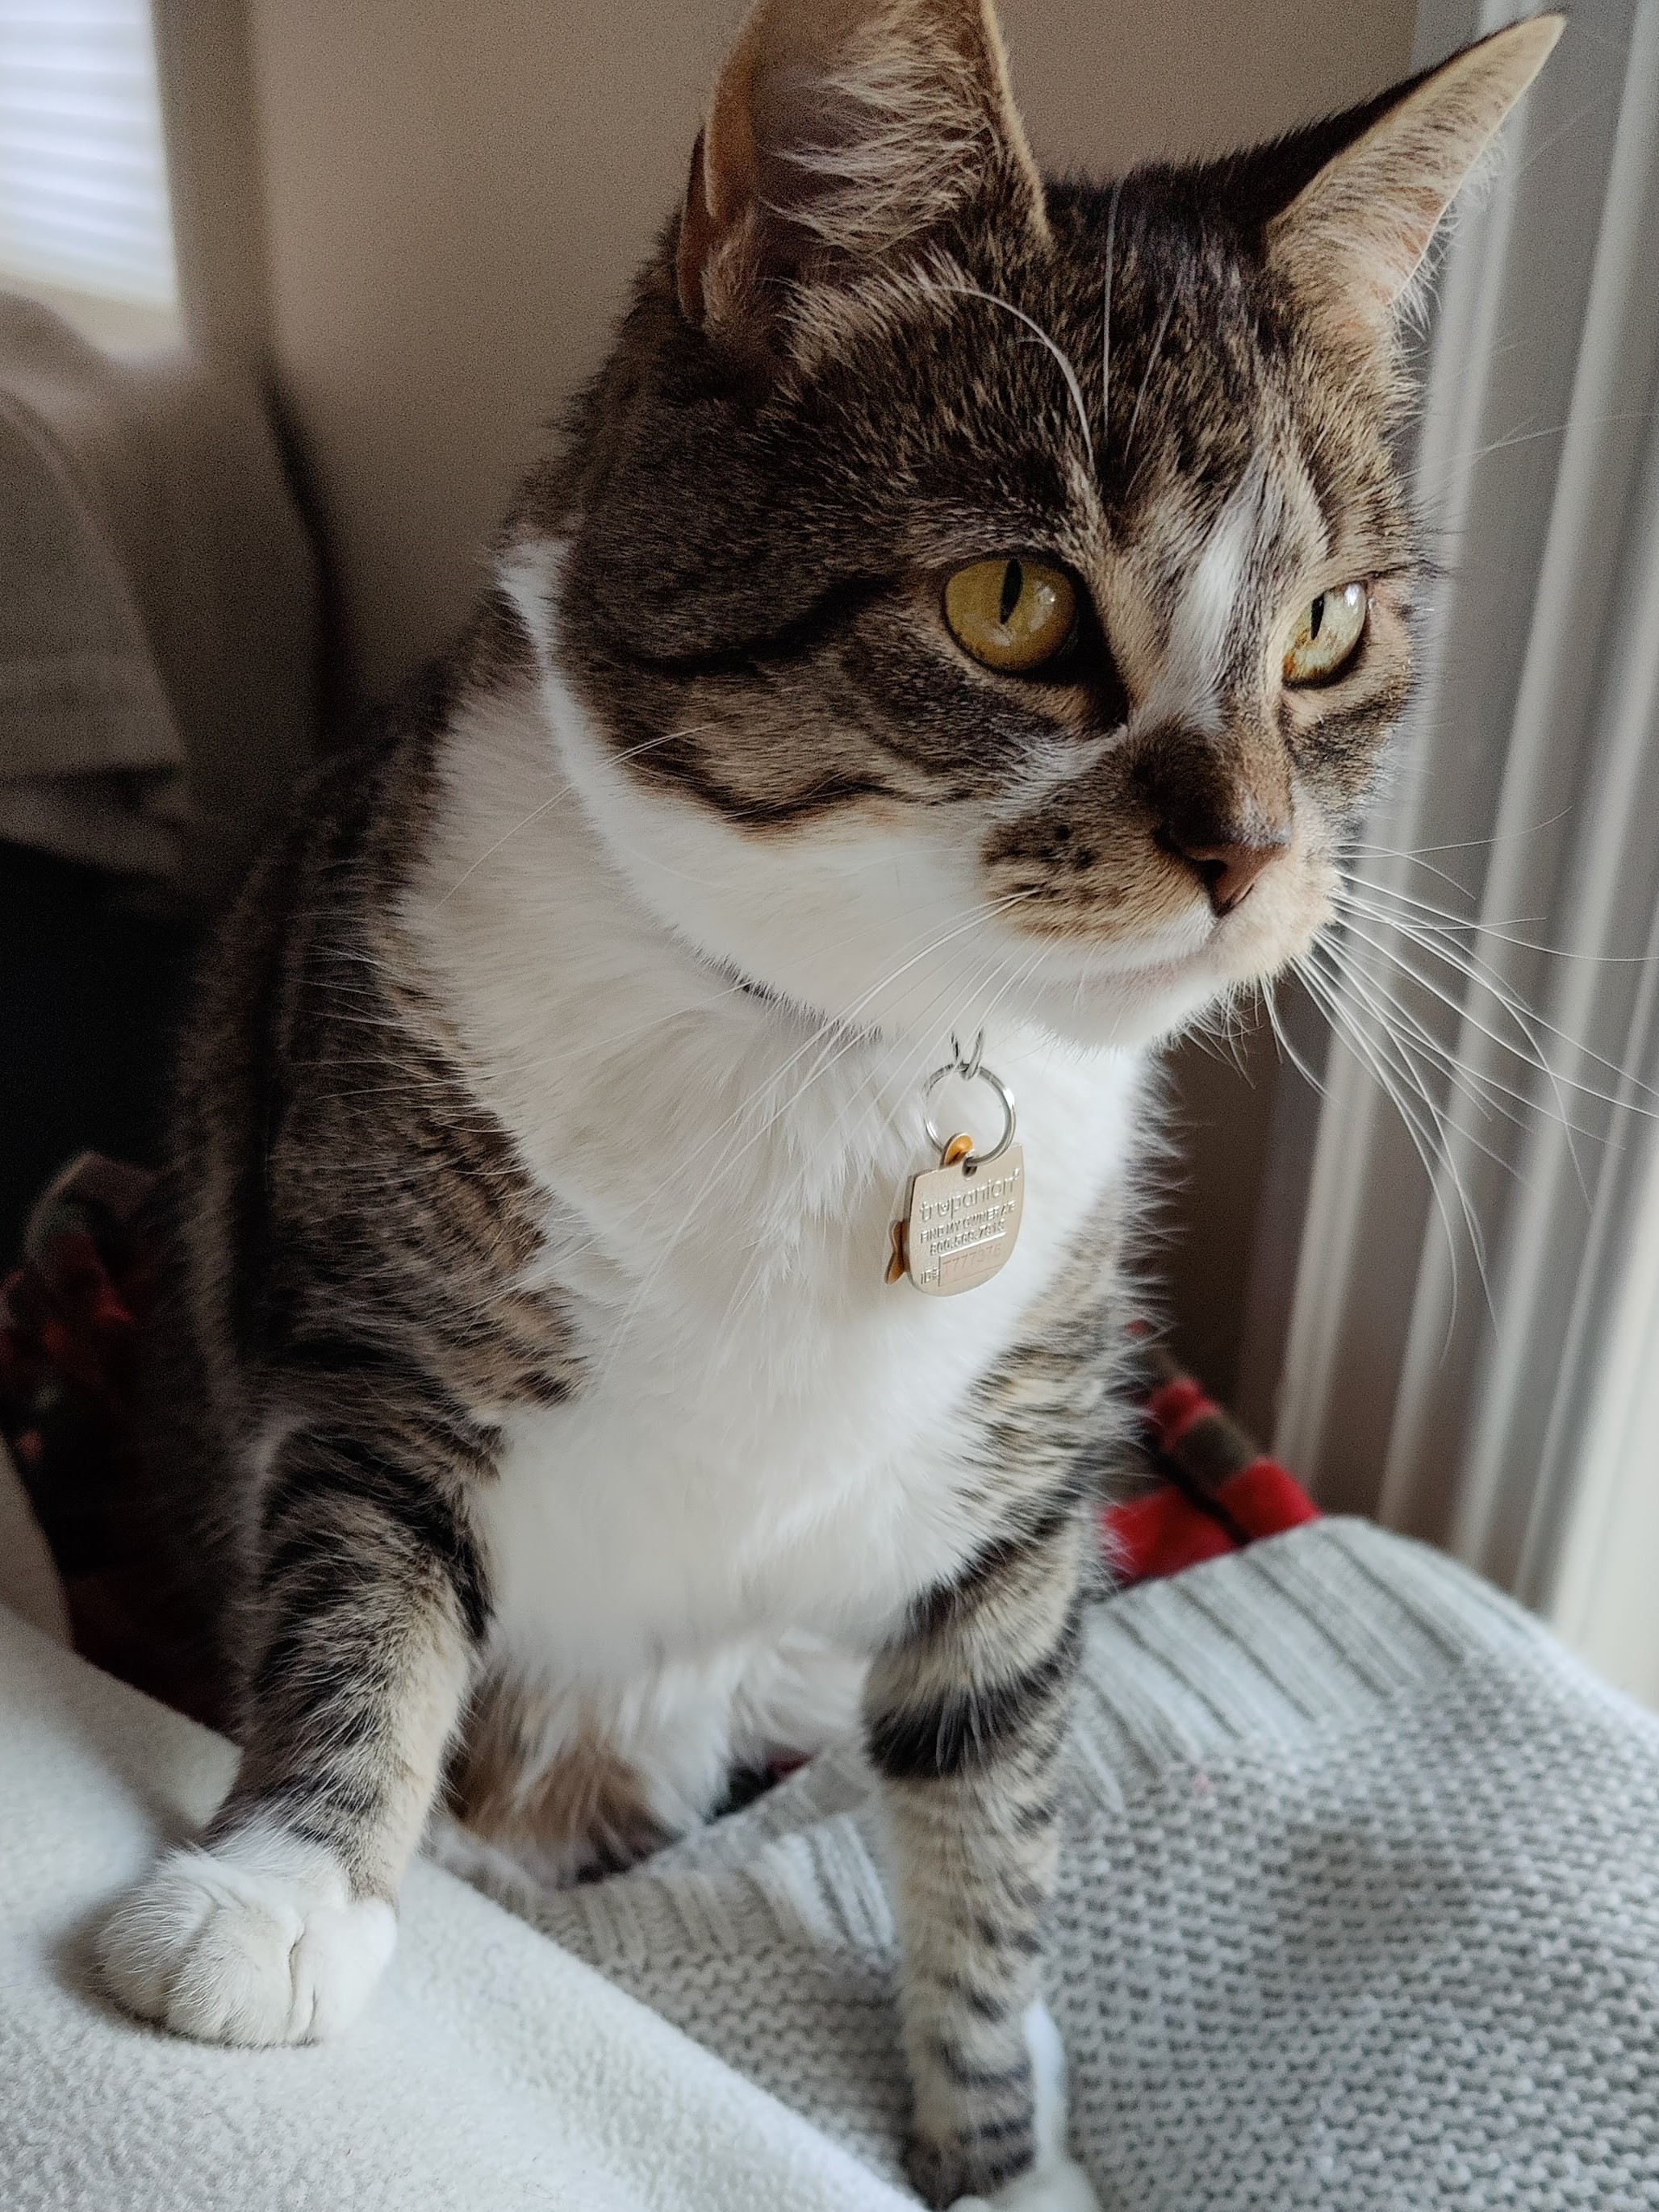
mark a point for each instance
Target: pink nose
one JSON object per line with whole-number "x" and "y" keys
{"x": 1228, "y": 871}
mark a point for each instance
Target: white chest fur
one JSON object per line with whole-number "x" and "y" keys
{"x": 768, "y": 1436}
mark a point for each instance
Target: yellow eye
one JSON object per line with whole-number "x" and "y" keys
{"x": 1326, "y": 635}
{"x": 1011, "y": 613}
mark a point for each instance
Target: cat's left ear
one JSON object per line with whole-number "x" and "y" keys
{"x": 1353, "y": 238}
{"x": 839, "y": 131}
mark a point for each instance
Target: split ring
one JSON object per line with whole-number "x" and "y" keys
{"x": 973, "y": 1070}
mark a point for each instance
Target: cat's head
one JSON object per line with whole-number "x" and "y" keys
{"x": 977, "y": 593}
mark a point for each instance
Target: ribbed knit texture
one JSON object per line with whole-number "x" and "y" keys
{"x": 1360, "y": 1906}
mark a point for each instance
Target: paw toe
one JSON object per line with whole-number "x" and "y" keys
{"x": 214, "y": 1948}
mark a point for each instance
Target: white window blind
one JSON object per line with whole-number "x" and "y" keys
{"x": 83, "y": 188}
{"x": 1474, "y": 1353}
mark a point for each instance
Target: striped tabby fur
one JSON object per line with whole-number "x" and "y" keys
{"x": 545, "y": 1444}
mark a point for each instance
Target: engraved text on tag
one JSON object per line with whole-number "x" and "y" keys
{"x": 962, "y": 1221}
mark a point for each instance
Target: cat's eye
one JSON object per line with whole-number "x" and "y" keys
{"x": 1011, "y": 613}
{"x": 1326, "y": 635}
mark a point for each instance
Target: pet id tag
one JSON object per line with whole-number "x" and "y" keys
{"x": 961, "y": 1218}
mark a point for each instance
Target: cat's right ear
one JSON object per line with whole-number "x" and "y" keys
{"x": 840, "y": 133}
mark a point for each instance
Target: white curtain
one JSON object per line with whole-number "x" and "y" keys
{"x": 1472, "y": 1354}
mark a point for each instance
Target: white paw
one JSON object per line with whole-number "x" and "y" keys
{"x": 1056, "y": 2182}
{"x": 258, "y": 1942}
{"x": 1062, "y": 2186}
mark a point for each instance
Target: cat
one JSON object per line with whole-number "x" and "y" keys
{"x": 964, "y": 615}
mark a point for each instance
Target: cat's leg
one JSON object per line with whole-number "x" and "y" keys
{"x": 966, "y": 1716}
{"x": 369, "y": 1601}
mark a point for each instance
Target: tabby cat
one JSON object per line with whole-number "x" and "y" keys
{"x": 963, "y": 606}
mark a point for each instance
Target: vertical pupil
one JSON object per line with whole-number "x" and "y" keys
{"x": 1014, "y": 590}
{"x": 1316, "y": 617}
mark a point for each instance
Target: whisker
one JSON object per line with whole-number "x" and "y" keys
{"x": 738, "y": 1147}
{"x": 1460, "y": 844}
{"x": 1425, "y": 1055}
{"x": 822, "y": 1033}
{"x": 1282, "y": 1037}
{"x": 565, "y": 786}
{"x": 904, "y": 1093}
{"x": 566, "y": 1057}
{"x": 1444, "y": 1130}
{"x": 1425, "y": 1139}
{"x": 1465, "y": 1013}
{"x": 1459, "y": 1072}
{"x": 1473, "y": 455}
{"x": 1445, "y": 918}
{"x": 1106, "y": 312}
{"x": 973, "y": 292}
{"x": 1479, "y": 973}
{"x": 1158, "y": 336}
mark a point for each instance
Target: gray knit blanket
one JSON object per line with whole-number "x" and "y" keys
{"x": 1361, "y": 1907}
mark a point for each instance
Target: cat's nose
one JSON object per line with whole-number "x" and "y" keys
{"x": 1220, "y": 802}
{"x": 1229, "y": 867}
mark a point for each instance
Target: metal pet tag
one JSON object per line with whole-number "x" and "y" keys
{"x": 961, "y": 1217}
{"x": 961, "y": 1223}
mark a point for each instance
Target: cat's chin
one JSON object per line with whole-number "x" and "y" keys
{"x": 1129, "y": 1013}
{"x": 1128, "y": 1009}
{"x": 1135, "y": 1008}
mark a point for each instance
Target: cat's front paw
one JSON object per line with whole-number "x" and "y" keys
{"x": 1062, "y": 2186}
{"x": 1053, "y": 2182}
{"x": 256, "y": 1941}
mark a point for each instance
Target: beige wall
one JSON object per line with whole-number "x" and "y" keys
{"x": 455, "y": 192}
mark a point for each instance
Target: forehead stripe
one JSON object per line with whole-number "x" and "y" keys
{"x": 1210, "y": 606}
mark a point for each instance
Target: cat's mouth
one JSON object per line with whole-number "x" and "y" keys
{"x": 1162, "y": 975}
{"x": 1266, "y": 929}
